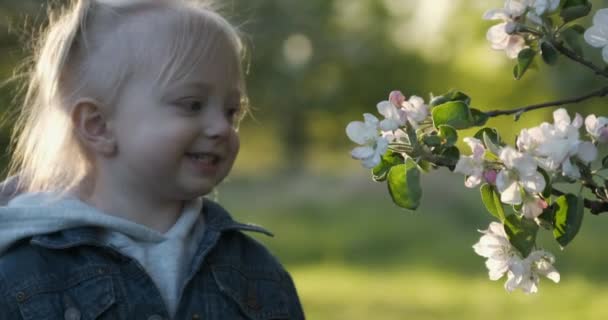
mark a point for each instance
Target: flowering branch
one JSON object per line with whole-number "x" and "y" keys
{"x": 519, "y": 111}
{"x": 515, "y": 182}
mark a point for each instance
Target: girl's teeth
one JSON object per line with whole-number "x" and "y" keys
{"x": 204, "y": 157}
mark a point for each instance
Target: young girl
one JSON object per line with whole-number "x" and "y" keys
{"x": 129, "y": 119}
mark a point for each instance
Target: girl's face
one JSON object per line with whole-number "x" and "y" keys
{"x": 177, "y": 141}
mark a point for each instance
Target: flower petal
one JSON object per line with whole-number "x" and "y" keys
{"x": 596, "y": 36}
{"x": 534, "y": 183}
{"x": 361, "y": 153}
{"x": 512, "y": 194}
{"x": 586, "y": 151}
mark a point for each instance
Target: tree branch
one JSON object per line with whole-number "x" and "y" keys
{"x": 576, "y": 58}
{"x": 519, "y": 111}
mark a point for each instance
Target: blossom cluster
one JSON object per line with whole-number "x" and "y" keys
{"x": 504, "y": 36}
{"x": 502, "y": 258}
{"x": 556, "y": 149}
{"x": 374, "y": 135}
{"x": 414, "y": 136}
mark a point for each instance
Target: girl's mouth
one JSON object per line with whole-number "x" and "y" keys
{"x": 204, "y": 158}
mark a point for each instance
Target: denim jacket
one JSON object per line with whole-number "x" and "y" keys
{"x": 71, "y": 275}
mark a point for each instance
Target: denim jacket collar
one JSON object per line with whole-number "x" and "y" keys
{"x": 216, "y": 219}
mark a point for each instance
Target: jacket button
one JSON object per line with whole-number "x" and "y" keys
{"x": 71, "y": 314}
{"x": 155, "y": 317}
{"x": 20, "y": 296}
{"x": 196, "y": 316}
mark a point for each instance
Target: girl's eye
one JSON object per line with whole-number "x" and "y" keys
{"x": 233, "y": 113}
{"x": 192, "y": 105}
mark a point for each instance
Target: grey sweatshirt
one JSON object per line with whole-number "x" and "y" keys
{"x": 163, "y": 256}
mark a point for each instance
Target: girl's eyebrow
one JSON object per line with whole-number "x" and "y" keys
{"x": 205, "y": 87}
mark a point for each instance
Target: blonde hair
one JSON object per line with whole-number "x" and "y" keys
{"x": 48, "y": 155}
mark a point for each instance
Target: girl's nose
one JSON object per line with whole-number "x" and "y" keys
{"x": 216, "y": 124}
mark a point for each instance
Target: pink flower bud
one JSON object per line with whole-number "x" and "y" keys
{"x": 543, "y": 204}
{"x": 396, "y": 98}
{"x": 490, "y": 176}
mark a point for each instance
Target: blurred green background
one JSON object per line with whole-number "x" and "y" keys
{"x": 316, "y": 65}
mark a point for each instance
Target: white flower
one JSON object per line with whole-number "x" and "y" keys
{"x": 373, "y": 146}
{"x": 397, "y": 111}
{"x": 525, "y": 274}
{"x": 416, "y": 110}
{"x": 597, "y": 35}
{"x": 472, "y": 166}
{"x": 597, "y": 127}
{"x": 495, "y": 246}
{"x": 394, "y": 117}
{"x": 553, "y": 145}
{"x": 543, "y": 6}
{"x": 520, "y": 176}
{"x": 533, "y": 207}
{"x": 503, "y": 258}
{"x": 540, "y": 7}
{"x": 500, "y": 35}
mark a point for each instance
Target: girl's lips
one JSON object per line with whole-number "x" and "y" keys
{"x": 204, "y": 163}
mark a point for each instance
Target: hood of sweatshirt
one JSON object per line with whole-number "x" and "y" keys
{"x": 24, "y": 215}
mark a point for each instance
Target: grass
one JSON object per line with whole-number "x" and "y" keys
{"x": 347, "y": 292}
{"x": 354, "y": 255}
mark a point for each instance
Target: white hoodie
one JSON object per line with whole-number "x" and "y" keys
{"x": 163, "y": 256}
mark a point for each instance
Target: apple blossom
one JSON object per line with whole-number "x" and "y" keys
{"x": 543, "y": 6}
{"x": 501, "y": 35}
{"x": 394, "y": 117}
{"x": 373, "y": 146}
{"x": 597, "y": 127}
{"x": 472, "y": 166}
{"x": 416, "y": 110}
{"x": 525, "y": 274}
{"x": 503, "y": 258}
{"x": 552, "y": 145}
{"x": 533, "y": 206}
{"x": 540, "y": 7}
{"x": 597, "y": 35}
{"x": 519, "y": 176}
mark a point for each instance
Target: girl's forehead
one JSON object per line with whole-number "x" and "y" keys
{"x": 173, "y": 52}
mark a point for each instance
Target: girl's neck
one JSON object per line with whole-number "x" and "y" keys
{"x": 136, "y": 207}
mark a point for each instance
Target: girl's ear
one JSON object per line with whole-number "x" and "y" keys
{"x": 92, "y": 127}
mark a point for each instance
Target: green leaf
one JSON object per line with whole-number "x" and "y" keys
{"x": 454, "y": 113}
{"x": 524, "y": 60}
{"x": 426, "y": 166}
{"x": 547, "y": 218}
{"x": 605, "y": 162}
{"x": 404, "y": 185}
{"x": 491, "y": 133}
{"x": 479, "y": 117}
{"x": 452, "y": 154}
{"x": 548, "y": 187}
{"x": 548, "y": 53}
{"x": 574, "y": 9}
{"x": 431, "y": 140}
{"x": 491, "y": 199}
{"x": 387, "y": 161}
{"x": 449, "y": 134}
{"x": 569, "y": 211}
{"x": 521, "y": 232}
{"x": 573, "y": 38}
{"x": 490, "y": 145}
{"x": 452, "y": 95}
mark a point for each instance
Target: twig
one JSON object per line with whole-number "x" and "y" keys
{"x": 576, "y": 58}
{"x": 519, "y": 111}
